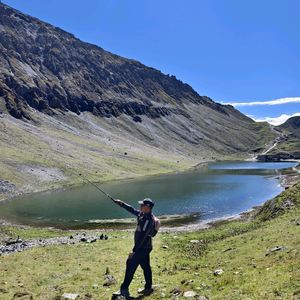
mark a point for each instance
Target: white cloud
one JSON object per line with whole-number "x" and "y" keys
{"x": 276, "y": 121}
{"x": 272, "y": 102}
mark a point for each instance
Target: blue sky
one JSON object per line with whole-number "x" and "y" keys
{"x": 242, "y": 52}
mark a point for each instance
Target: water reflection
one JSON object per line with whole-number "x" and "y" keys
{"x": 214, "y": 191}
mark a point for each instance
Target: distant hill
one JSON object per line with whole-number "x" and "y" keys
{"x": 292, "y": 125}
{"x": 288, "y": 141}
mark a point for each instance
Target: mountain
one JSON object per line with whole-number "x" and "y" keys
{"x": 64, "y": 102}
{"x": 292, "y": 125}
{"x": 48, "y": 68}
{"x": 289, "y": 139}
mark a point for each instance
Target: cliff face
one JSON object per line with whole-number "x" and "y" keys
{"x": 48, "y": 68}
{"x": 44, "y": 69}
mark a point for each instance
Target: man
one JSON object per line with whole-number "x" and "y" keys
{"x": 140, "y": 254}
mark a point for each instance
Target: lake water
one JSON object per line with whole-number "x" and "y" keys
{"x": 212, "y": 192}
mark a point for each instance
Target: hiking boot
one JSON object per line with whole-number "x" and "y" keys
{"x": 145, "y": 292}
{"x": 124, "y": 293}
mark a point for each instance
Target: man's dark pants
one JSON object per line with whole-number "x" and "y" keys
{"x": 142, "y": 258}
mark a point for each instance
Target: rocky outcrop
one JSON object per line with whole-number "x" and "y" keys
{"x": 47, "y": 68}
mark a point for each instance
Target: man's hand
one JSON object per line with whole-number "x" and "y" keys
{"x": 118, "y": 202}
{"x": 131, "y": 254}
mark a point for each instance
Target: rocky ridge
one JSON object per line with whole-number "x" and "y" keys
{"x": 48, "y": 68}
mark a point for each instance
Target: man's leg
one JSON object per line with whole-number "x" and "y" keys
{"x": 131, "y": 266}
{"x": 145, "y": 265}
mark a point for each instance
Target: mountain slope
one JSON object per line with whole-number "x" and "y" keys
{"x": 292, "y": 125}
{"x": 47, "y": 67}
{"x": 64, "y": 103}
{"x": 289, "y": 141}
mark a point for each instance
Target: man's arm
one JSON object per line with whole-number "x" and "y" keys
{"x": 128, "y": 207}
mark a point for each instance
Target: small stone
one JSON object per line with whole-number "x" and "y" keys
{"x": 69, "y": 296}
{"x": 189, "y": 294}
{"x": 228, "y": 249}
{"x": 218, "y": 272}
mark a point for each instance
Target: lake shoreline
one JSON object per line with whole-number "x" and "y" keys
{"x": 12, "y": 192}
{"x": 285, "y": 181}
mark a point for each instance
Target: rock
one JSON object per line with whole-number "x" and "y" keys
{"x": 218, "y": 272}
{"x": 177, "y": 291}
{"x": 228, "y": 249}
{"x": 18, "y": 245}
{"x": 110, "y": 282}
{"x": 273, "y": 250}
{"x": 69, "y": 296}
{"x": 189, "y": 294}
{"x": 6, "y": 187}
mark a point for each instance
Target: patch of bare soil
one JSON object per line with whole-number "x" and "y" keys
{"x": 43, "y": 174}
{"x": 46, "y": 174}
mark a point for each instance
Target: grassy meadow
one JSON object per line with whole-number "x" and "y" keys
{"x": 181, "y": 261}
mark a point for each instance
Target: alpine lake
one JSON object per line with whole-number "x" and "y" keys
{"x": 210, "y": 192}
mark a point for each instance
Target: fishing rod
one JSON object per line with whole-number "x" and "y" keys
{"x": 97, "y": 188}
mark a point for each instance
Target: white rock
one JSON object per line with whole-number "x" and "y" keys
{"x": 189, "y": 294}
{"x": 218, "y": 272}
{"x": 69, "y": 296}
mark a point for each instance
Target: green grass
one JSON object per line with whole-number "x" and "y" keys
{"x": 48, "y": 145}
{"x": 250, "y": 271}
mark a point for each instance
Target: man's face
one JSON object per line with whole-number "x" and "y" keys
{"x": 145, "y": 209}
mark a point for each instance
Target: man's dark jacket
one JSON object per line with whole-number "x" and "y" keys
{"x": 144, "y": 228}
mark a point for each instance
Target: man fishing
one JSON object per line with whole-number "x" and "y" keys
{"x": 140, "y": 254}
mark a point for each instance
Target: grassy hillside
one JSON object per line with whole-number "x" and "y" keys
{"x": 49, "y": 152}
{"x": 258, "y": 259}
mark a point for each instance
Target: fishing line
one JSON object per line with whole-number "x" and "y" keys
{"x": 97, "y": 188}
